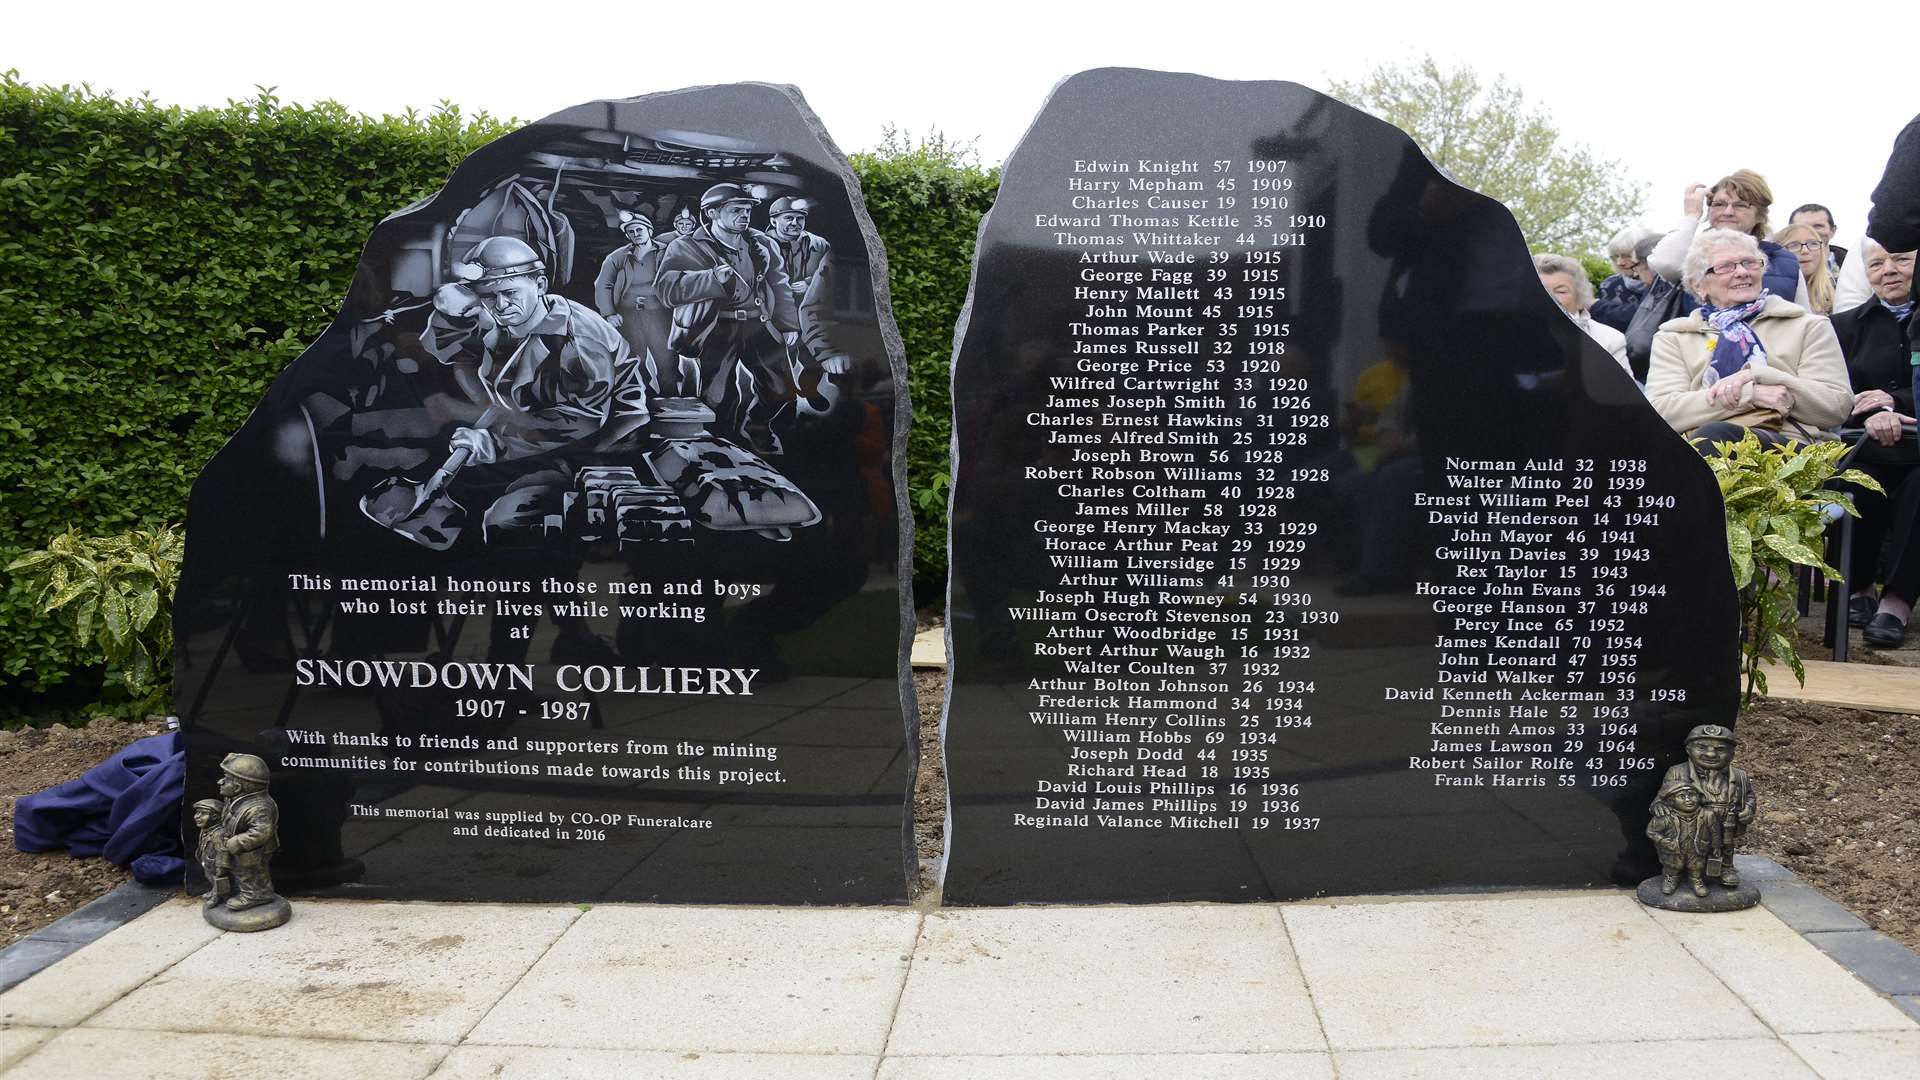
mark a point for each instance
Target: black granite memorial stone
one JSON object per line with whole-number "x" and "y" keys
{"x": 566, "y": 564}
{"x": 1301, "y": 545}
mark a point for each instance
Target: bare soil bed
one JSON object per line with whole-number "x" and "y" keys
{"x": 1839, "y": 793}
{"x": 37, "y": 889}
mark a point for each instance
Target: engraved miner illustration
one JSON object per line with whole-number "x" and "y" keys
{"x": 809, "y": 271}
{"x": 637, "y": 409}
{"x": 624, "y": 294}
{"x": 1703, "y": 809}
{"x": 248, "y": 834}
{"x": 734, "y": 308}
{"x": 561, "y": 383}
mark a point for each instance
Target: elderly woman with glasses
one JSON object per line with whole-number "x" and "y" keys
{"x": 1620, "y": 294}
{"x": 1738, "y": 201}
{"x": 1877, "y": 339}
{"x": 1810, "y": 251}
{"x": 1745, "y": 359}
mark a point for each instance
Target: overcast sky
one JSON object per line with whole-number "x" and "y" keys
{"x": 1665, "y": 103}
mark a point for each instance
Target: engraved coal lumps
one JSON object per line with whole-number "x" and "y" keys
{"x": 566, "y": 564}
{"x": 1300, "y": 544}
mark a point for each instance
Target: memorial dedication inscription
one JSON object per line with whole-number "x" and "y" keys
{"x": 566, "y": 564}
{"x": 1301, "y": 545}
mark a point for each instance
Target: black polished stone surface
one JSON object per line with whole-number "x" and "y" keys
{"x": 1244, "y": 388}
{"x": 695, "y": 643}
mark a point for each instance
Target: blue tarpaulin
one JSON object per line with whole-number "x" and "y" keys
{"x": 126, "y": 808}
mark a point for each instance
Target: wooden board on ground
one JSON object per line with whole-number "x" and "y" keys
{"x": 1875, "y": 687}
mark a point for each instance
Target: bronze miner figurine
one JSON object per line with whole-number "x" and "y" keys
{"x": 238, "y": 835}
{"x": 1704, "y": 807}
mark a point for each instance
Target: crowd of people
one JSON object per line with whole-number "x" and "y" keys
{"x": 1734, "y": 325}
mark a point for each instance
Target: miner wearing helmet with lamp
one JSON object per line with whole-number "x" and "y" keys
{"x": 1724, "y": 790}
{"x": 733, "y": 305}
{"x": 808, "y": 267}
{"x": 560, "y": 382}
{"x": 250, "y": 829}
{"x": 624, "y": 293}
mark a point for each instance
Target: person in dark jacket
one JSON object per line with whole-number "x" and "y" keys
{"x": 1895, "y": 217}
{"x": 1737, "y": 201}
{"x": 1876, "y": 338}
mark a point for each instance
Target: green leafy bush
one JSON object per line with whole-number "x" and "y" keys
{"x": 927, "y": 197}
{"x": 158, "y": 266}
{"x": 116, "y": 594}
{"x": 1777, "y": 504}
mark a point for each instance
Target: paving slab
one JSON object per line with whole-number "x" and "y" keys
{"x": 29, "y": 956}
{"x": 573, "y": 1063}
{"x": 1881, "y": 962}
{"x": 747, "y": 980}
{"x": 169, "y": 1055}
{"x": 1748, "y": 1059}
{"x": 1111, "y": 1067}
{"x": 930, "y": 648}
{"x": 1489, "y": 970}
{"x": 1851, "y": 1055}
{"x": 383, "y": 972}
{"x": 1781, "y": 977}
{"x": 16, "y": 1043}
{"x": 96, "y": 975}
{"x": 1133, "y": 980}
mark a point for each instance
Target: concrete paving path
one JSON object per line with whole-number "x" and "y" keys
{"x": 1505, "y": 985}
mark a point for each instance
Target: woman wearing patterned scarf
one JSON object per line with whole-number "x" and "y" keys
{"x": 1877, "y": 338}
{"x": 1745, "y": 359}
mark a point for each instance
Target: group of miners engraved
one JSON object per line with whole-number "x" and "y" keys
{"x": 1704, "y": 805}
{"x": 692, "y": 315}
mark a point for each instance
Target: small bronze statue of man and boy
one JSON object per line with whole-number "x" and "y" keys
{"x": 239, "y": 833}
{"x": 1704, "y": 807}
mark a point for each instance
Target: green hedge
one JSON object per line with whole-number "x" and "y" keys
{"x": 158, "y": 266}
{"x": 927, "y": 199}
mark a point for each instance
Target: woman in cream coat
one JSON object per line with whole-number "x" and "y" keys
{"x": 1744, "y": 351}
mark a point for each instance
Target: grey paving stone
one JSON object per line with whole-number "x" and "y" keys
{"x": 1884, "y": 964}
{"x": 1909, "y": 1004}
{"x": 108, "y": 913}
{"x": 1806, "y": 908}
{"x": 1759, "y": 868}
{"x": 27, "y": 957}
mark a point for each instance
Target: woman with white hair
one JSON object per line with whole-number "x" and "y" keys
{"x": 1620, "y": 294}
{"x": 1746, "y": 359}
{"x": 1567, "y": 282}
